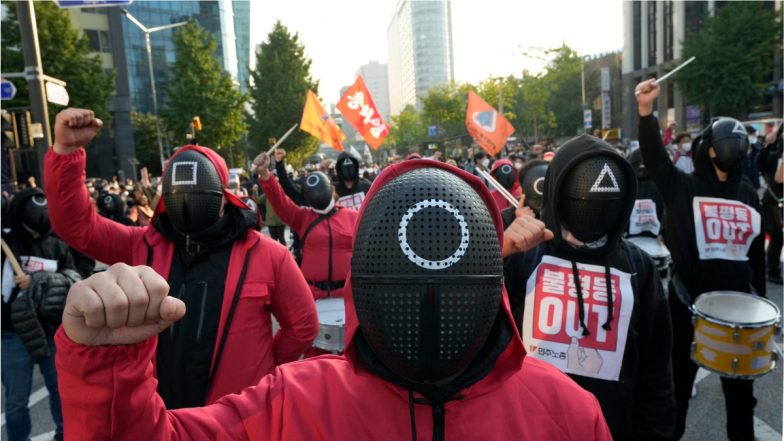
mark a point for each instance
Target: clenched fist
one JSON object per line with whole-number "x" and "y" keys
{"x": 261, "y": 165}
{"x": 524, "y": 233}
{"x": 123, "y": 305}
{"x": 74, "y": 128}
{"x": 646, "y": 93}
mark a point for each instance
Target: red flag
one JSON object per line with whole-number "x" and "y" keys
{"x": 358, "y": 108}
{"x": 317, "y": 122}
{"x": 488, "y": 127}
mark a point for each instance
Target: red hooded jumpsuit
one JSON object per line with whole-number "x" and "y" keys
{"x": 109, "y": 393}
{"x": 272, "y": 283}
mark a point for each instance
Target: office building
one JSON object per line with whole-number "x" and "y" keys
{"x": 653, "y": 35}
{"x": 419, "y": 39}
{"x": 377, "y": 82}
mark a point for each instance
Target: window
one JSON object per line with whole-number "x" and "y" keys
{"x": 695, "y": 11}
{"x": 99, "y": 40}
{"x": 652, "y": 33}
{"x": 636, "y": 25}
{"x": 668, "y": 30}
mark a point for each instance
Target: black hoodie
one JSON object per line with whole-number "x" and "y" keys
{"x": 679, "y": 190}
{"x": 361, "y": 185}
{"x": 632, "y": 381}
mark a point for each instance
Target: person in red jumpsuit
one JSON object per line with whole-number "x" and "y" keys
{"x": 202, "y": 241}
{"x": 433, "y": 352}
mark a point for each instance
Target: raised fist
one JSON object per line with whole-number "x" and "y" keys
{"x": 646, "y": 93}
{"x": 122, "y": 305}
{"x": 524, "y": 233}
{"x": 261, "y": 165}
{"x": 74, "y": 128}
{"x": 279, "y": 154}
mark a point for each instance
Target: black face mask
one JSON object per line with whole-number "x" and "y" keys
{"x": 730, "y": 142}
{"x": 318, "y": 191}
{"x": 192, "y": 192}
{"x": 505, "y": 175}
{"x": 591, "y": 198}
{"x": 533, "y": 187}
{"x": 35, "y": 214}
{"x": 426, "y": 274}
{"x": 347, "y": 170}
{"x": 107, "y": 204}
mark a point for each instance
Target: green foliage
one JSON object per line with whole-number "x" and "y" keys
{"x": 407, "y": 130}
{"x": 445, "y": 107}
{"x": 562, "y": 80}
{"x": 65, "y": 54}
{"x": 198, "y": 86}
{"x": 146, "y": 140}
{"x": 734, "y": 65}
{"x": 278, "y": 91}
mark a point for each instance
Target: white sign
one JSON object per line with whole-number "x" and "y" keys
{"x": 606, "y": 111}
{"x": 644, "y": 218}
{"x": 587, "y": 118}
{"x": 551, "y": 324}
{"x": 56, "y": 94}
{"x": 724, "y": 228}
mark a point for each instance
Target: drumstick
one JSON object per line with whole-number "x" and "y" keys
{"x": 508, "y": 196}
{"x": 283, "y": 138}
{"x": 667, "y": 75}
{"x": 11, "y": 258}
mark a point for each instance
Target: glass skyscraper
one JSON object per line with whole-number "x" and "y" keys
{"x": 231, "y": 32}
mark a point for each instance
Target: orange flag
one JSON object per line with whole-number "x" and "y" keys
{"x": 358, "y": 108}
{"x": 317, "y": 122}
{"x": 488, "y": 128}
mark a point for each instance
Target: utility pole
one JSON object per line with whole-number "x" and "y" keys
{"x": 34, "y": 73}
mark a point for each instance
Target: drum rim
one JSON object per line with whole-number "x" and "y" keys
{"x": 742, "y": 325}
{"x": 773, "y": 365}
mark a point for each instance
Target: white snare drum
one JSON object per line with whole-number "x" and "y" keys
{"x": 734, "y": 334}
{"x": 332, "y": 324}
{"x": 657, "y": 250}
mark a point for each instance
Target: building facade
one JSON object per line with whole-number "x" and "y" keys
{"x": 377, "y": 82}
{"x": 419, "y": 43}
{"x": 121, "y": 46}
{"x": 653, "y": 35}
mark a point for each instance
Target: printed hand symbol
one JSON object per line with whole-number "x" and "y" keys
{"x": 583, "y": 359}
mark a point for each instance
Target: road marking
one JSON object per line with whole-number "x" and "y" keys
{"x": 35, "y": 397}
{"x": 48, "y": 436}
{"x": 701, "y": 374}
{"x": 763, "y": 432}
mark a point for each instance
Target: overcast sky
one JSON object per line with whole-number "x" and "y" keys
{"x": 488, "y": 36}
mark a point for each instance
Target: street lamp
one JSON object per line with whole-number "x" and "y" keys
{"x": 147, "y": 31}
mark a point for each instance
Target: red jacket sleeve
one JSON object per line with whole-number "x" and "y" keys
{"x": 293, "y": 306}
{"x": 291, "y": 214}
{"x": 109, "y": 392}
{"x": 72, "y": 214}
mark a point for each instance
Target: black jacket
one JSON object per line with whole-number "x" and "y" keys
{"x": 640, "y": 404}
{"x": 679, "y": 190}
{"x": 37, "y": 313}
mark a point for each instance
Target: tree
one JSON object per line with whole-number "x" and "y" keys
{"x": 445, "y": 107}
{"x": 563, "y": 83}
{"x": 198, "y": 86}
{"x": 533, "y": 117}
{"x": 734, "y": 66}
{"x": 278, "y": 91}
{"x": 146, "y": 140}
{"x": 407, "y": 130}
{"x": 65, "y": 54}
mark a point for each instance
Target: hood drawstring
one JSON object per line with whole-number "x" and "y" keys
{"x": 412, "y": 415}
{"x": 439, "y": 416}
{"x": 580, "y": 303}
{"x": 608, "y": 280}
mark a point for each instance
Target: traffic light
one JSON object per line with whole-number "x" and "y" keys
{"x": 10, "y": 139}
{"x": 24, "y": 133}
{"x": 197, "y": 124}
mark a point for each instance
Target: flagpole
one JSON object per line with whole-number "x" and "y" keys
{"x": 283, "y": 138}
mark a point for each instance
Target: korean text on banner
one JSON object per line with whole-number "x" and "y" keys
{"x": 488, "y": 128}
{"x": 360, "y": 111}
{"x": 317, "y": 122}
